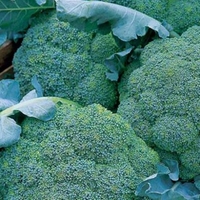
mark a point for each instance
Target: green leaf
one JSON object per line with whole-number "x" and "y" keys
{"x": 188, "y": 191}
{"x": 15, "y": 14}
{"x": 41, "y": 108}
{"x": 154, "y": 186}
{"x": 9, "y": 131}
{"x": 31, "y": 95}
{"x": 173, "y": 168}
{"x": 172, "y": 195}
{"x": 169, "y": 167}
{"x": 162, "y": 169}
{"x": 197, "y": 182}
{"x": 37, "y": 92}
{"x": 161, "y": 186}
{"x": 9, "y": 93}
{"x": 125, "y": 23}
{"x": 37, "y": 86}
{"x": 116, "y": 64}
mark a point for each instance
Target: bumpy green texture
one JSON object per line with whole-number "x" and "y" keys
{"x": 180, "y": 14}
{"x": 161, "y": 98}
{"x": 190, "y": 161}
{"x": 65, "y": 59}
{"x": 83, "y": 153}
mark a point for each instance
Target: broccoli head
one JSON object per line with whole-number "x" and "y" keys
{"x": 83, "y": 153}
{"x": 65, "y": 59}
{"x": 162, "y": 96}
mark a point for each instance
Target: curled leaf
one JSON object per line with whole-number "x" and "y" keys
{"x": 42, "y": 108}
{"x": 116, "y": 63}
{"x": 125, "y": 23}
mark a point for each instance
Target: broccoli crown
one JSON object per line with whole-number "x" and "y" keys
{"x": 83, "y": 153}
{"x": 163, "y": 94}
{"x": 63, "y": 58}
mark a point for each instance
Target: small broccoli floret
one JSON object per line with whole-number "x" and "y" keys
{"x": 190, "y": 160}
{"x": 90, "y": 89}
{"x": 174, "y": 134}
{"x": 122, "y": 86}
{"x": 183, "y": 14}
{"x": 83, "y": 153}
{"x": 102, "y": 46}
{"x": 166, "y": 155}
{"x": 62, "y": 58}
{"x": 188, "y": 35}
{"x": 130, "y": 111}
{"x": 163, "y": 94}
{"x": 154, "y": 8}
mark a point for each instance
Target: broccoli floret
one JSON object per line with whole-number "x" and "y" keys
{"x": 122, "y": 87}
{"x": 83, "y": 153}
{"x": 188, "y": 35}
{"x": 64, "y": 58}
{"x": 89, "y": 90}
{"x": 174, "y": 133}
{"x": 183, "y": 14}
{"x": 166, "y": 155}
{"x": 102, "y": 46}
{"x": 154, "y": 8}
{"x": 190, "y": 160}
{"x": 130, "y": 110}
{"x": 163, "y": 94}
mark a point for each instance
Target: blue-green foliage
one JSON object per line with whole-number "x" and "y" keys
{"x": 63, "y": 58}
{"x": 83, "y": 153}
{"x": 165, "y": 184}
{"x": 161, "y": 98}
{"x": 181, "y": 14}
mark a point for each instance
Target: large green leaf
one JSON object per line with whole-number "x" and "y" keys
{"x": 41, "y": 108}
{"x": 125, "y": 23}
{"x": 15, "y": 14}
